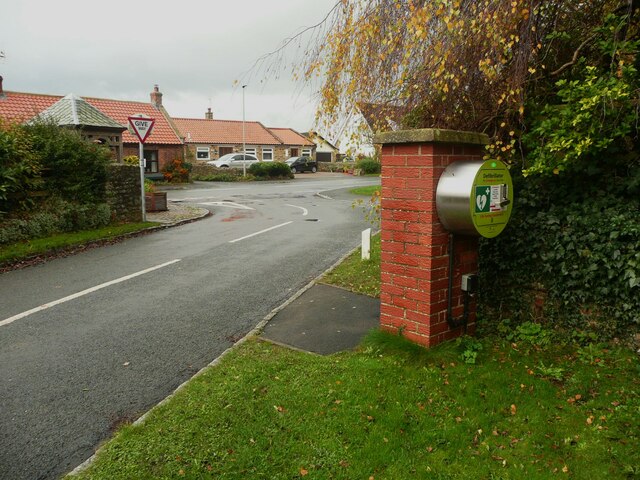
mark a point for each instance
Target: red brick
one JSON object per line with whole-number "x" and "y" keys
{"x": 407, "y": 149}
{"x": 391, "y": 289}
{"x": 394, "y": 182}
{"x": 403, "y": 281}
{"x": 405, "y": 237}
{"x": 394, "y": 269}
{"x": 387, "y": 150}
{"x": 407, "y": 172}
{"x": 403, "y": 259}
{"x": 421, "y": 183}
{"x": 387, "y": 225}
{"x": 418, "y": 317}
{"x": 402, "y": 302}
{"x": 404, "y": 216}
{"x": 391, "y": 310}
{"x": 394, "y": 160}
{"x": 396, "y": 247}
{"x": 419, "y": 273}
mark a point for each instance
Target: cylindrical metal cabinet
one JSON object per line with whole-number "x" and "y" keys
{"x": 475, "y": 197}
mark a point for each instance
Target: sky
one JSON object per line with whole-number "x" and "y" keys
{"x": 194, "y": 50}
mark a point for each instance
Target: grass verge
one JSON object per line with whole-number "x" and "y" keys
{"x": 368, "y": 191}
{"x": 392, "y": 411}
{"x": 357, "y": 275}
{"x": 39, "y": 246}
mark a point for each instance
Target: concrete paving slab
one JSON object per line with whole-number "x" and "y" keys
{"x": 324, "y": 320}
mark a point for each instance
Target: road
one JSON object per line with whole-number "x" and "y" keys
{"x": 93, "y": 340}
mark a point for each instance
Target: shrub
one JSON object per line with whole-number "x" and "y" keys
{"x": 368, "y": 165}
{"x": 132, "y": 160}
{"x": 20, "y": 170}
{"x": 265, "y": 170}
{"x": 177, "y": 171}
{"x": 73, "y": 169}
{"x": 578, "y": 241}
{"x": 58, "y": 217}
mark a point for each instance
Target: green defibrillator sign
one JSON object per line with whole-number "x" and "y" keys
{"x": 491, "y": 198}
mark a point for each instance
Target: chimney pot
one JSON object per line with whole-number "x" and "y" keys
{"x": 209, "y": 114}
{"x": 2, "y": 95}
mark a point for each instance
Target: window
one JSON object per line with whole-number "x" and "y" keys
{"x": 295, "y": 152}
{"x": 267, "y": 154}
{"x": 151, "y": 161}
{"x": 306, "y": 152}
{"x": 202, "y": 153}
{"x": 251, "y": 151}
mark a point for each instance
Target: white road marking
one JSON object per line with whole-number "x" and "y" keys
{"x": 9, "y": 320}
{"x": 227, "y": 204}
{"x": 260, "y": 232}
{"x": 305, "y": 212}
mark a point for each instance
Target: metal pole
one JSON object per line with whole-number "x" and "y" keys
{"x": 141, "y": 157}
{"x": 244, "y": 146}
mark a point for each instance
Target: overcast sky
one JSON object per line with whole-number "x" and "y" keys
{"x": 193, "y": 49}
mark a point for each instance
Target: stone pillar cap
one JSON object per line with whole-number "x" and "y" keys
{"x": 431, "y": 135}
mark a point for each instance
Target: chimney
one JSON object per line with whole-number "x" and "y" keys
{"x": 156, "y": 97}
{"x": 209, "y": 114}
{"x": 2, "y": 94}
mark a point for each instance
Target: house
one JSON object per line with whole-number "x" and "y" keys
{"x": 163, "y": 145}
{"x": 325, "y": 150}
{"x": 209, "y": 139}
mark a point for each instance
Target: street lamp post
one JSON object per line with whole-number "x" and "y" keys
{"x": 244, "y": 146}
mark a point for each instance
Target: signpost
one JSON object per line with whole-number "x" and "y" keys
{"x": 141, "y": 126}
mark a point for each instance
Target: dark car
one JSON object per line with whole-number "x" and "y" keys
{"x": 302, "y": 164}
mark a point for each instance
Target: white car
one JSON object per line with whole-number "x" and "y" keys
{"x": 234, "y": 160}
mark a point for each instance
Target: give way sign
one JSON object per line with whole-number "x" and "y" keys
{"x": 141, "y": 126}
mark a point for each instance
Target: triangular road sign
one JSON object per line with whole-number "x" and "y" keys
{"x": 142, "y": 126}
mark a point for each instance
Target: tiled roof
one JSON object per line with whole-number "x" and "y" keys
{"x": 195, "y": 130}
{"x": 290, "y": 136}
{"x": 73, "y": 110}
{"x": 21, "y": 107}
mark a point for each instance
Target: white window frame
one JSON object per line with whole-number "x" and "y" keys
{"x": 268, "y": 150}
{"x": 251, "y": 151}
{"x": 203, "y": 149}
{"x": 306, "y": 152}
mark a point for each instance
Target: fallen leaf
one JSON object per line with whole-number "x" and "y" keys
{"x": 565, "y": 469}
{"x": 279, "y": 408}
{"x": 303, "y": 472}
{"x": 513, "y": 409}
{"x": 125, "y": 364}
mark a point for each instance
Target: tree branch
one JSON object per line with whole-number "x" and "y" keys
{"x": 574, "y": 59}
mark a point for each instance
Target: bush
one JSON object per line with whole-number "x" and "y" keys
{"x": 177, "y": 171}
{"x": 368, "y": 165}
{"x": 132, "y": 160}
{"x": 58, "y": 217}
{"x": 265, "y": 170}
{"x": 578, "y": 242}
{"x": 20, "y": 170}
{"x": 73, "y": 169}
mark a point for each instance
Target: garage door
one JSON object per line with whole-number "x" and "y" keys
{"x": 323, "y": 156}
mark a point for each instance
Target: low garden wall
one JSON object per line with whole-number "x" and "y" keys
{"x": 123, "y": 193}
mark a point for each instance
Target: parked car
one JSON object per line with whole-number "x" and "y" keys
{"x": 234, "y": 160}
{"x": 302, "y": 164}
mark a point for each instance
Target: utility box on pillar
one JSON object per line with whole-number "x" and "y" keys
{"x": 421, "y": 288}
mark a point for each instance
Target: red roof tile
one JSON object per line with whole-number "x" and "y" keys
{"x": 195, "y": 130}
{"x": 21, "y": 107}
{"x": 290, "y": 137}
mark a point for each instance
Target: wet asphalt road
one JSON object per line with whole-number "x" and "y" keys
{"x": 71, "y": 373}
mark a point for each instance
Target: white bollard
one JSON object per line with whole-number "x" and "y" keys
{"x": 366, "y": 244}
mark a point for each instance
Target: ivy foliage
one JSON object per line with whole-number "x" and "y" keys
{"x": 577, "y": 240}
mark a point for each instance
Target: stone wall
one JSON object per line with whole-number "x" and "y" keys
{"x": 123, "y": 193}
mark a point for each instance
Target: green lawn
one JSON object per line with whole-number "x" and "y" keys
{"x": 357, "y": 275}
{"x": 392, "y": 411}
{"x": 39, "y": 246}
{"x": 368, "y": 191}
{"x": 534, "y": 407}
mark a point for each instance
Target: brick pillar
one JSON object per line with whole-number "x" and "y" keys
{"x": 415, "y": 258}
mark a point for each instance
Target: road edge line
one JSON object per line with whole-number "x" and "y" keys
{"x": 254, "y": 332}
